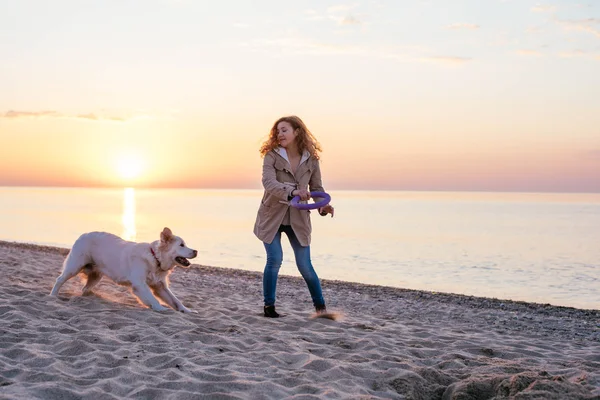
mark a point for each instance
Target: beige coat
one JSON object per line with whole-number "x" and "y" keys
{"x": 279, "y": 182}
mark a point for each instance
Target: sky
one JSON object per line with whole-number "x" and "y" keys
{"x": 493, "y": 95}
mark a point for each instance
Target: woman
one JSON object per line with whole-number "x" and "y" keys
{"x": 290, "y": 168}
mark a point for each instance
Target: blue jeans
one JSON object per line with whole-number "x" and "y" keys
{"x": 274, "y": 260}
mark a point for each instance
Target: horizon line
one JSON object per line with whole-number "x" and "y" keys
{"x": 119, "y": 187}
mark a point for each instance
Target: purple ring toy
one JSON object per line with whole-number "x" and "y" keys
{"x": 311, "y": 206}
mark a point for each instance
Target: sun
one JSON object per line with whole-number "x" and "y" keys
{"x": 130, "y": 166}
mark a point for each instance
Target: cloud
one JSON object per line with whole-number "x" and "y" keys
{"x": 539, "y": 8}
{"x": 525, "y": 52}
{"x": 12, "y": 114}
{"x": 340, "y": 14}
{"x": 446, "y": 60}
{"x": 300, "y": 46}
{"x": 350, "y": 20}
{"x": 94, "y": 117}
{"x": 572, "y": 54}
{"x": 590, "y": 25}
{"x": 533, "y": 30}
{"x": 314, "y": 15}
{"x": 340, "y": 8}
{"x": 462, "y": 26}
{"x": 88, "y": 116}
{"x": 579, "y": 54}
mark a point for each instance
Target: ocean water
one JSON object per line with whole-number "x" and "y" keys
{"x": 542, "y": 248}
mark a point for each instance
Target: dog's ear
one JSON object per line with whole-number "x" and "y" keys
{"x": 166, "y": 235}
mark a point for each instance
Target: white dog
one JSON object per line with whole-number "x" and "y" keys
{"x": 143, "y": 266}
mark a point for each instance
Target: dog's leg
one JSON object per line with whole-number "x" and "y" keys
{"x": 92, "y": 280}
{"x": 59, "y": 282}
{"x": 143, "y": 292}
{"x": 165, "y": 294}
{"x": 178, "y": 304}
{"x": 70, "y": 269}
{"x": 159, "y": 291}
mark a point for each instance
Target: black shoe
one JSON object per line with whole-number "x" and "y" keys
{"x": 270, "y": 312}
{"x": 321, "y": 309}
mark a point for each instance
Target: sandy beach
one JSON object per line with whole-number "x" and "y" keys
{"x": 388, "y": 344}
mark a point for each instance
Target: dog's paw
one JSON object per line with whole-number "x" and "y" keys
{"x": 186, "y": 310}
{"x": 160, "y": 309}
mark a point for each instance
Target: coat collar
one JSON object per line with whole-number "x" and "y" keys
{"x": 283, "y": 153}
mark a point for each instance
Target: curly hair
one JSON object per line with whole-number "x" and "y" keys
{"x": 304, "y": 140}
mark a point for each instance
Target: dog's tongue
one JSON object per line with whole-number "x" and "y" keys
{"x": 183, "y": 261}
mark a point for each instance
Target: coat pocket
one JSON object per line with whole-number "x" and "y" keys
{"x": 304, "y": 175}
{"x": 281, "y": 166}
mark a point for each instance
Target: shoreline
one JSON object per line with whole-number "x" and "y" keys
{"x": 390, "y": 343}
{"x": 508, "y": 304}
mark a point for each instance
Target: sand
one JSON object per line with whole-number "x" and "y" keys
{"x": 389, "y": 344}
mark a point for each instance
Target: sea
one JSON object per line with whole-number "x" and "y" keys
{"x": 534, "y": 247}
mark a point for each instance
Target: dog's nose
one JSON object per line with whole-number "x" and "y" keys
{"x": 195, "y": 253}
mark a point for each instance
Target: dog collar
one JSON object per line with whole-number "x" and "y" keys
{"x": 154, "y": 255}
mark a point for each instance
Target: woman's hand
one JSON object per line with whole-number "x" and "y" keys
{"x": 328, "y": 209}
{"x": 304, "y": 194}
